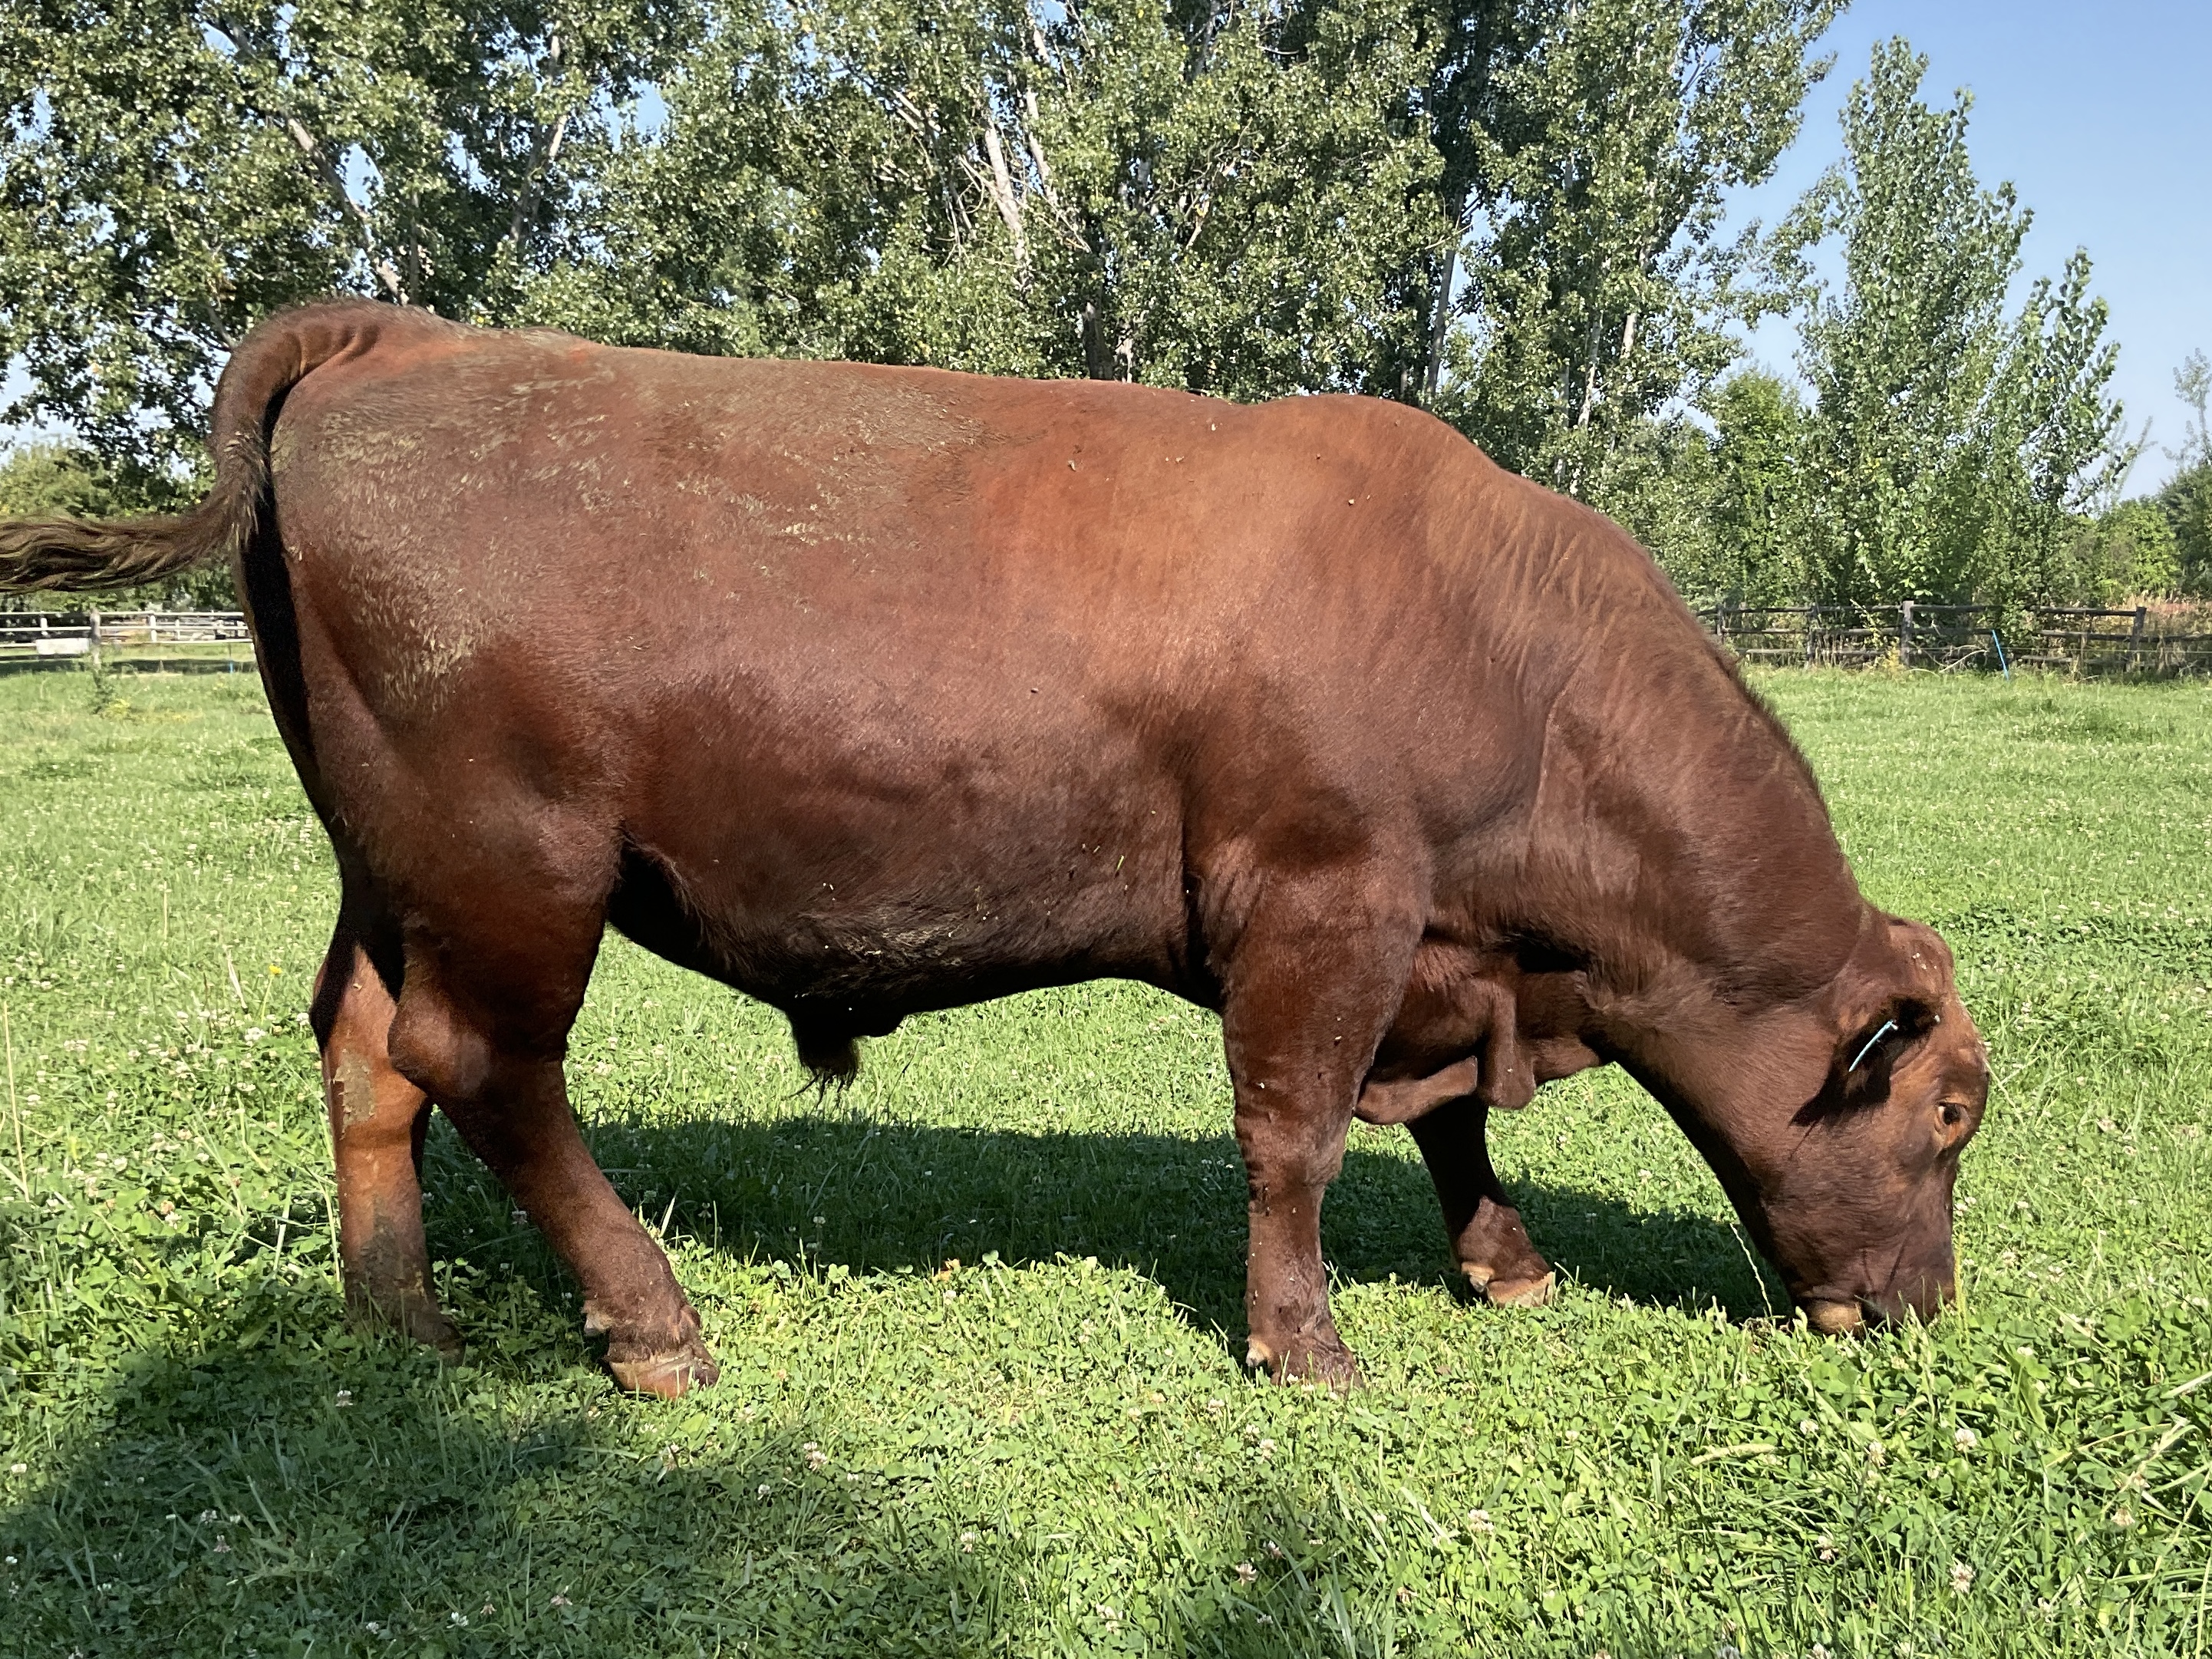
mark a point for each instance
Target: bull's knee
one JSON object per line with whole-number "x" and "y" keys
{"x": 442, "y": 1054}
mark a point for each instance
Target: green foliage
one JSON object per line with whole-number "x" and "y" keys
{"x": 41, "y": 479}
{"x": 2129, "y": 552}
{"x": 173, "y": 172}
{"x": 1948, "y": 444}
{"x": 1219, "y": 203}
{"x": 2186, "y": 501}
{"x": 1594, "y": 144}
{"x": 1757, "y": 503}
{"x": 1052, "y": 1447}
{"x": 1508, "y": 210}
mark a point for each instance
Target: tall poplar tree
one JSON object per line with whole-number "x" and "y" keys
{"x": 1588, "y": 151}
{"x": 1949, "y": 442}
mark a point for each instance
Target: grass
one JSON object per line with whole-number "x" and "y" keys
{"x": 978, "y": 1319}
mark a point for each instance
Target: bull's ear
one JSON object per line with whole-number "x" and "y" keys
{"x": 1858, "y": 1075}
{"x": 1865, "y": 1057}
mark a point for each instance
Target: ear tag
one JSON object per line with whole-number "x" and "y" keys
{"x": 1887, "y": 1026}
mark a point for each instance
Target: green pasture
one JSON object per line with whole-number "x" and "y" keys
{"x": 979, "y": 1317}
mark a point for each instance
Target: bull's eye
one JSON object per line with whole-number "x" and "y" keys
{"x": 1953, "y": 1114}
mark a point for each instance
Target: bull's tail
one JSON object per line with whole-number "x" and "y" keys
{"x": 86, "y": 554}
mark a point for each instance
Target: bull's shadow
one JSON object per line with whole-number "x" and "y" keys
{"x": 832, "y": 1186}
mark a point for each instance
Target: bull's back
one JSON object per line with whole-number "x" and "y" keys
{"x": 846, "y": 538}
{"x": 883, "y": 664}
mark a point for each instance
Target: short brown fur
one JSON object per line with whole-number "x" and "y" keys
{"x": 872, "y": 690}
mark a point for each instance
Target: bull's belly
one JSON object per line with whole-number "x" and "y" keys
{"x": 864, "y": 956}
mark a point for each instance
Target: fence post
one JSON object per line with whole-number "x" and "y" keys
{"x": 2135, "y": 642}
{"x": 1812, "y": 622}
{"x": 92, "y": 618}
{"x": 1904, "y": 634}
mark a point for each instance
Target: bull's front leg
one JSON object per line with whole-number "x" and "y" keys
{"x": 1487, "y": 1239}
{"x": 1316, "y": 975}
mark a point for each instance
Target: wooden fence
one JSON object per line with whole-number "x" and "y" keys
{"x": 126, "y": 639}
{"x": 1947, "y": 637}
{"x": 1943, "y": 637}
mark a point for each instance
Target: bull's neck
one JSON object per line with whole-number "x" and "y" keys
{"x": 1685, "y": 832}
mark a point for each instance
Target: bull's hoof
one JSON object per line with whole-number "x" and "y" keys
{"x": 1526, "y": 1284}
{"x": 669, "y": 1376}
{"x": 1327, "y": 1363}
{"x": 1834, "y": 1318}
{"x": 413, "y": 1313}
{"x": 1520, "y": 1293}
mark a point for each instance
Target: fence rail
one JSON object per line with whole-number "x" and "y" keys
{"x": 1942, "y": 637}
{"x": 1947, "y": 637}
{"x": 54, "y": 638}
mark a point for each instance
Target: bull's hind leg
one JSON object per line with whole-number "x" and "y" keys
{"x": 377, "y": 1123}
{"x": 482, "y": 1029}
{"x": 1487, "y": 1239}
{"x": 1316, "y": 975}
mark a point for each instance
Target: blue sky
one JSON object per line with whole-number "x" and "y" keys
{"x": 2102, "y": 117}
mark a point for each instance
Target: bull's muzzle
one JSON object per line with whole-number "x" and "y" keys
{"x": 1924, "y": 1296}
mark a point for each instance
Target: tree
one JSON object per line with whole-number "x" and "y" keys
{"x": 2129, "y": 553}
{"x": 2186, "y": 501}
{"x": 173, "y": 170}
{"x": 1948, "y": 445}
{"x": 1240, "y": 196}
{"x": 41, "y": 479}
{"x": 1216, "y": 201}
{"x": 1587, "y": 149}
{"x": 1757, "y": 532}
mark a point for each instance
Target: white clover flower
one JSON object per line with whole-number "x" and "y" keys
{"x": 1966, "y": 1440}
{"x": 1962, "y": 1578}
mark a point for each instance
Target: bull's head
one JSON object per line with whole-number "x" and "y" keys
{"x": 1836, "y": 1126}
